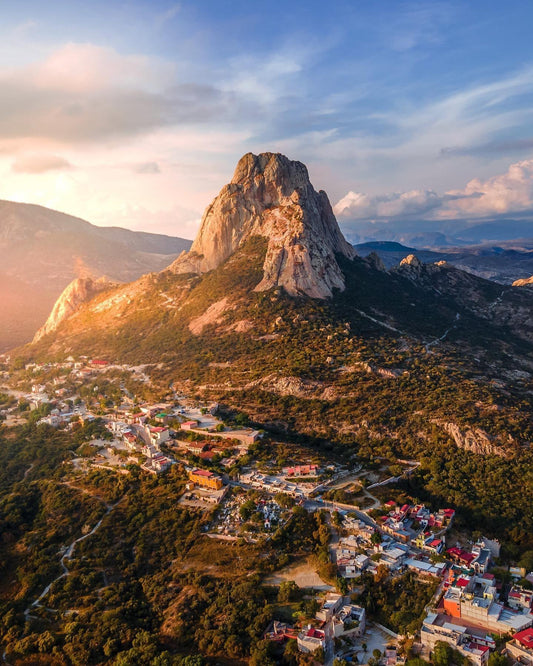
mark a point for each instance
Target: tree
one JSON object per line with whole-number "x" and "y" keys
{"x": 288, "y": 591}
{"x": 497, "y": 659}
{"x": 246, "y": 510}
{"x": 342, "y": 585}
{"x": 260, "y": 655}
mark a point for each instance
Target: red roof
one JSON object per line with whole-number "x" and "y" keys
{"x": 462, "y": 582}
{"x": 434, "y": 543}
{"x": 390, "y": 503}
{"x": 207, "y": 455}
{"x": 96, "y": 361}
{"x": 449, "y": 512}
{"x": 315, "y": 633}
{"x": 404, "y": 508}
{"x": 461, "y": 554}
{"x": 525, "y": 637}
{"x": 202, "y": 472}
{"x": 488, "y": 576}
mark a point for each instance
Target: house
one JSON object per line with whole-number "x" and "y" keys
{"x": 423, "y": 567}
{"x": 300, "y": 470}
{"x": 482, "y": 560}
{"x": 331, "y": 604}
{"x": 436, "y": 629}
{"x": 99, "y": 363}
{"x": 189, "y": 425}
{"x": 130, "y": 440}
{"x": 461, "y": 556}
{"x": 520, "y": 598}
{"x": 158, "y": 435}
{"x": 434, "y": 546}
{"x": 311, "y": 639}
{"x": 279, "y": 631}
{"x": 520, "y": 648}
{"x": 203, "y": 477}
{"x": 476, "y": 603}
{"x": 195, "y": 447}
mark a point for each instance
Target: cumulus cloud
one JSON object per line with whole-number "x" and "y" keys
{"x": 510, "y": 192}
{"x": 39, "y": 163}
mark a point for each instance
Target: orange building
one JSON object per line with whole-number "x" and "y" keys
{"x": 203, "y": 477}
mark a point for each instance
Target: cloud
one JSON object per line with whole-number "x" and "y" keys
{"x": 147, "y": 167}
{"x": 490, "y": 148}
{"x": 84, "y": 93}
{"x": 503, "y": 194}
{"x": 36, "y": 164}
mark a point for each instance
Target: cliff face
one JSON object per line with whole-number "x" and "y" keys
{"x": 524, "y": 282}
{"x": 79, "y": 291}
{"x": 272, "y": 196}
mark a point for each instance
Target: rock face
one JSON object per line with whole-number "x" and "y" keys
{"x": 524, "y": 282}
{"x": 272, "y": 196}
{"x": 78, "y": 292}
{"x": 474, "y": 439}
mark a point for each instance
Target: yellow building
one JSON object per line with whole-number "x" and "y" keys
{"x": 203, "y": 477}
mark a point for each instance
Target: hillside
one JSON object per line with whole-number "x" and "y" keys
{"x": 43, "y": 250}
{"x": 425, "y": 340}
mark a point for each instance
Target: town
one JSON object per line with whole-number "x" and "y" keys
{"x": 475, "y": 609}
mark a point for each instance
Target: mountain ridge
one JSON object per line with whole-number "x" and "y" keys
{"x": 44, "y": 250}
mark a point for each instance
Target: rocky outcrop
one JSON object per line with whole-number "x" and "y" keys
{"x": 79, "y": 291}
{"x": 524, "y": 282}
{"x": 473, "y": 439}
{"x": 271, "y": 196}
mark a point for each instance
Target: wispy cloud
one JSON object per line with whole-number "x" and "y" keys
{"x": 39, "y": 163}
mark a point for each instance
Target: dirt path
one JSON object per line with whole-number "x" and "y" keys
{"x": 67, "y": 555}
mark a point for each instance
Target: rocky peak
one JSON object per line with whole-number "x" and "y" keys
{"x": 375, "y": 261}
{"x": 75, "y": 294}
{"x": 272, "y": 196}
{"x": 411, "y": 260}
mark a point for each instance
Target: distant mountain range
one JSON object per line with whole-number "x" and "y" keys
{"x": 502, "y": 263}
{"x": 429, "y": 234}
{"x": 43, "y": 250}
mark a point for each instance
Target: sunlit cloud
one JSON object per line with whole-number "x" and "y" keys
{"x": 503, "y": 194}
{"x": 39, "y": 163}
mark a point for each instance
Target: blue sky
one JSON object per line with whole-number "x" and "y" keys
{"x": 135, "y": 113}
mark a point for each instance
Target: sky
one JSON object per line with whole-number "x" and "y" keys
{"x": 134, "y": 114}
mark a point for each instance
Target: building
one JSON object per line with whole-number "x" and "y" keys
{"x": 300, "y": 470}
{"x": 158, "y": 435}
{"x": 206, "y": 479}
{"x": 189, "y": 425}
{"x": 331, "y": 604}
{"x": 520, "y": 598}
{"x": 475, "y": 601}
{"x": 435, "y": 630}
{"x": 520, "y": 648}
{"x": 311, "y": 639}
